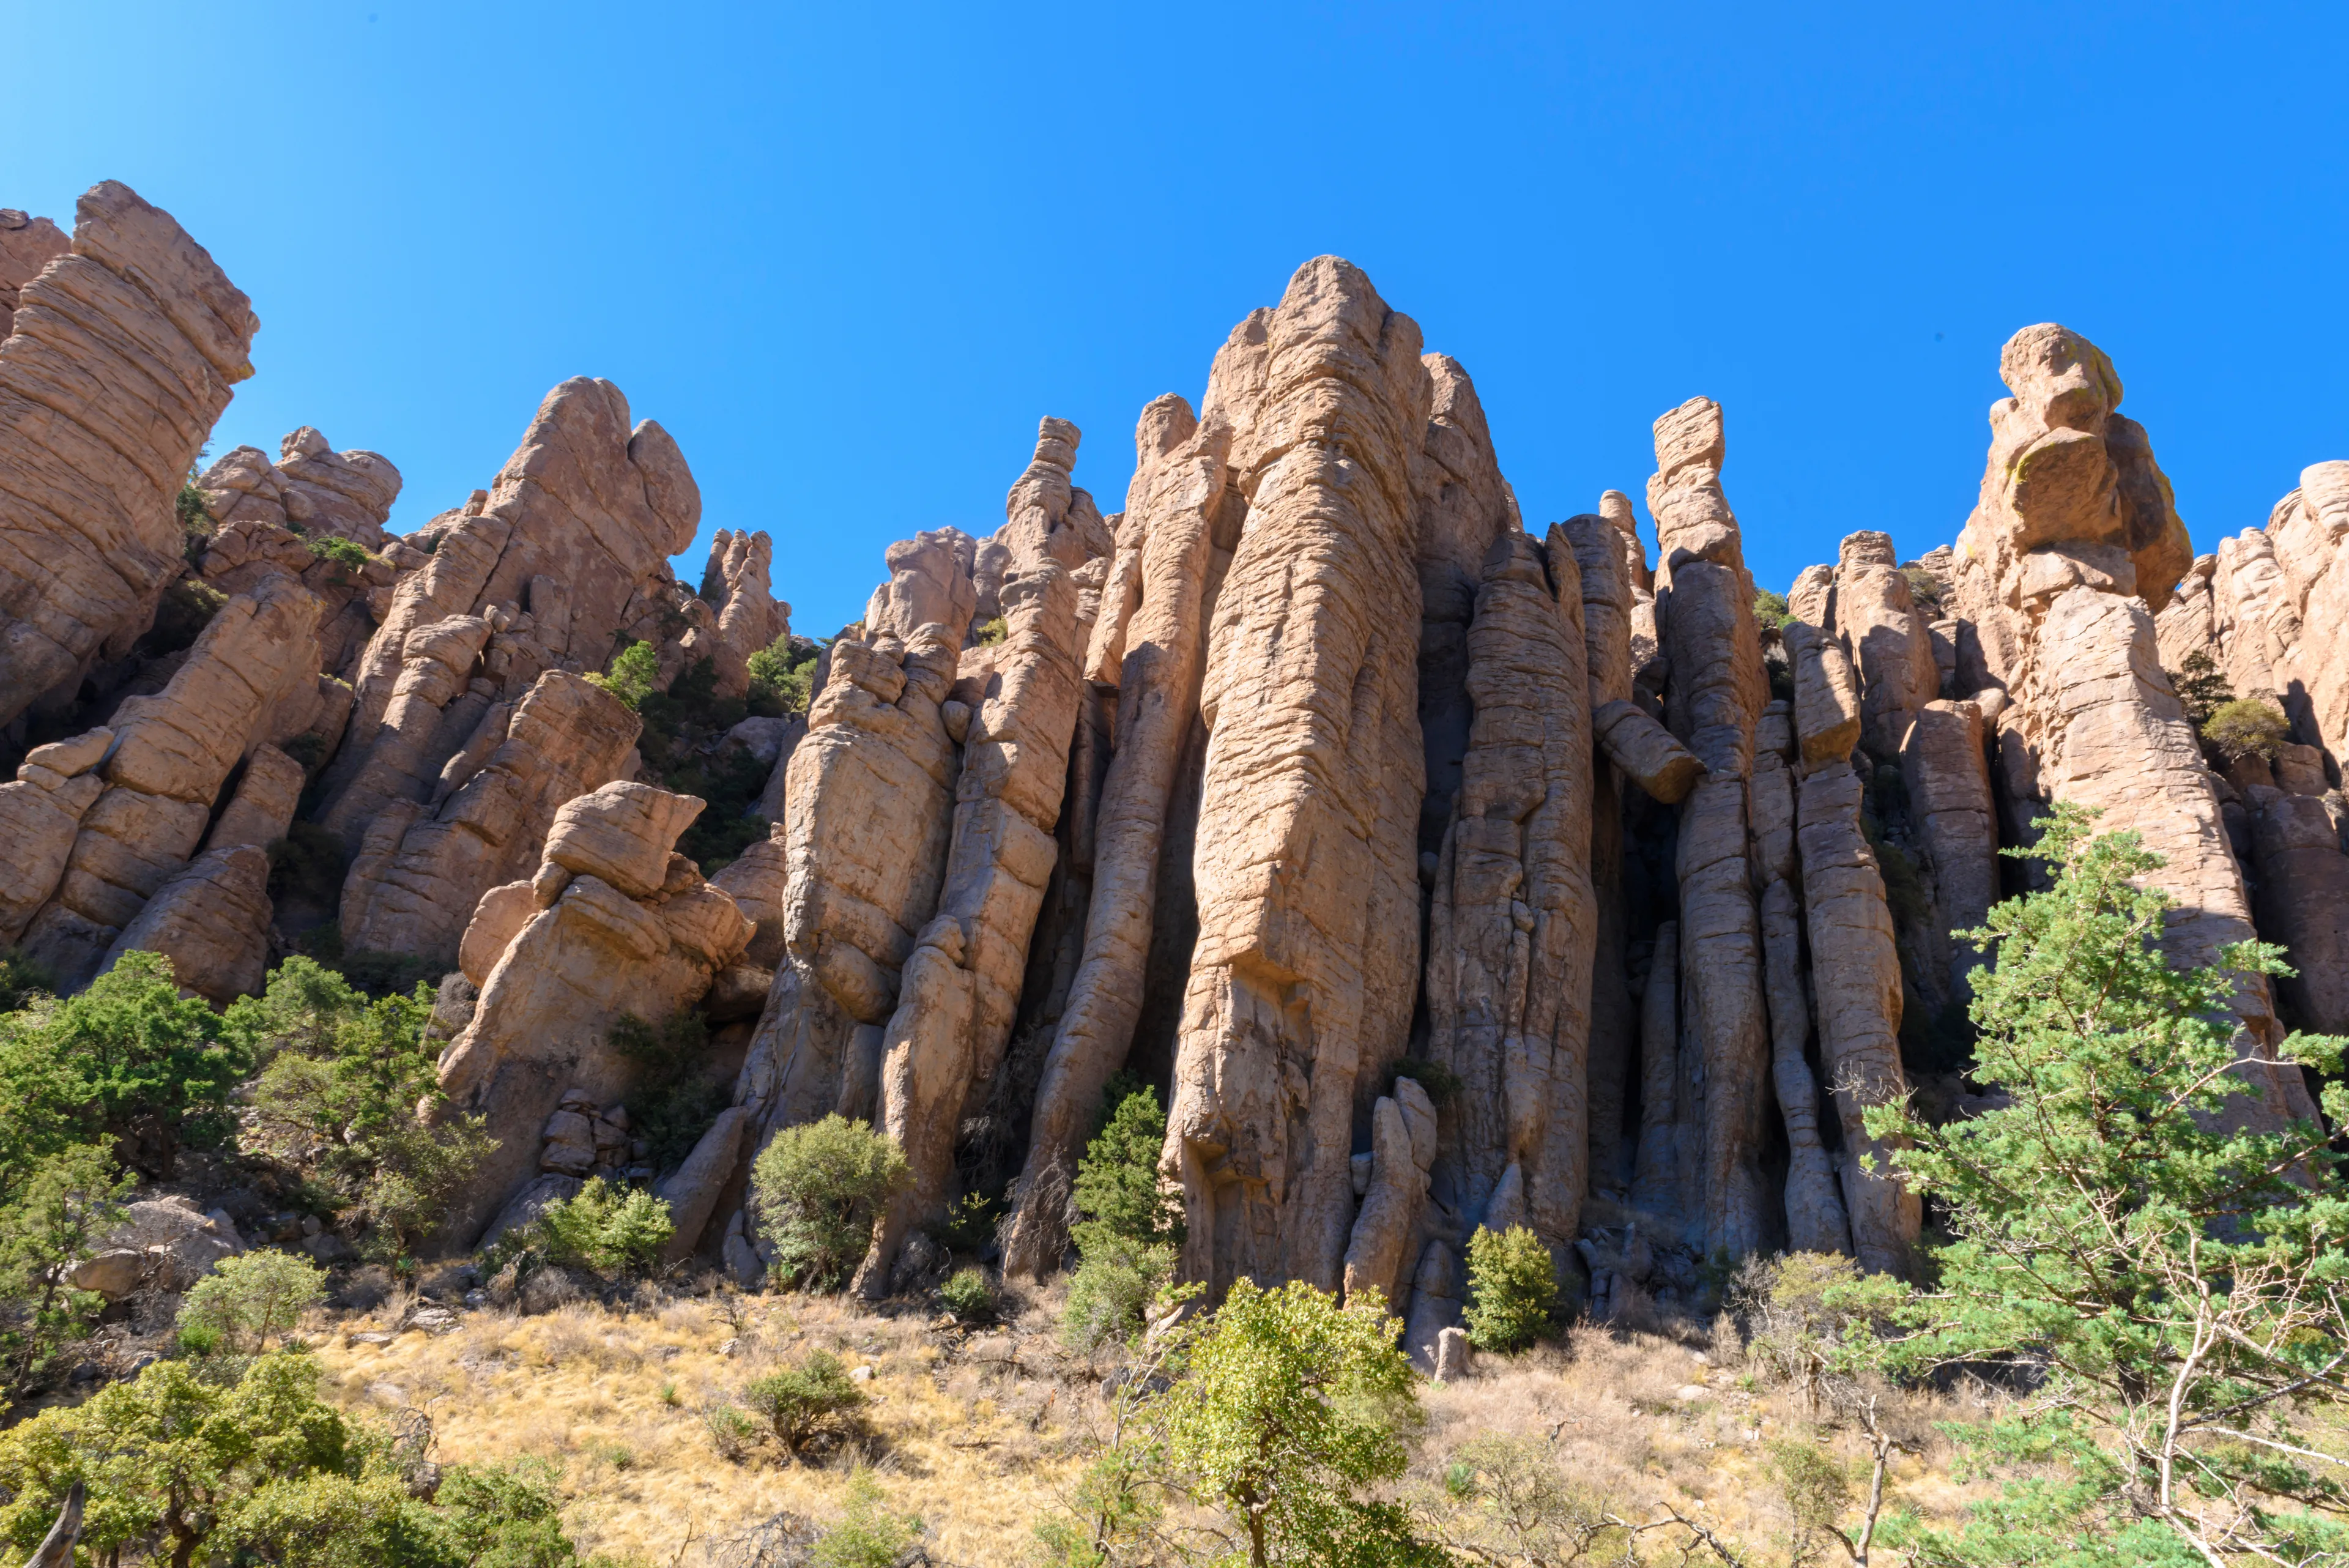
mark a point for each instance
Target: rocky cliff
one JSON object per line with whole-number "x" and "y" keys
{"x": 1441, "y": 872}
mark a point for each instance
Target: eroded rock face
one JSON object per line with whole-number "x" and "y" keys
{"x": 1305, "y": 966}
{"x": 1513, "y": 924}
{"x": 422, "y": 866}
{"x": 1877, "y": 618}
{"x": 169, "y": 755}
{"x": 121, "y": 357}
{"x": 929, "y": 585}
{"x": 548, "y": 570}
{"x": 1148, "y": 641}
{"x": 310, "y": 487}
{"x": 1715, "y": 692}
{"x": 210, "y": 919}
{"x": 954, "y": 1017}
{"x": 591, "y": 952}
{"x": 738, "y": 582}
{"x": 27, "y": 245}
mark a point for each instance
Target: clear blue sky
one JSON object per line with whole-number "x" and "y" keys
{"x": 849, "y": 253}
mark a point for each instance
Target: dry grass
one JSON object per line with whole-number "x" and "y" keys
{"x": 1646, "y": 1420}
{"x": 980, "y": 1434}
{"x": 956, "y": 1433}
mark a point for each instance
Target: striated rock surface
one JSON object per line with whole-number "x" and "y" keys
{"x": 1715, "y": 692}
{"x": 591, "y": 952}
{"x": 422, "y": 866}
{"x": 169, "y": 755}
{"x": 1514, "y": 923}
{"x": 27, "y": 245}
{"x": 548, "y": 570}
{"x": 310, "y": 488}
{"x": 1877, "y": 619}
{"x": 210, "y": 919}
{"x": 120, "y": 356}
{"x": 1306, "y": 960}
{"x": 1148, "y": 641}
{"x": 942, "y": 1045}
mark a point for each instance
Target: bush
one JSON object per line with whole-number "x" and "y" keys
{"x": 672, "y": 1104}
{"x": 1790, "y": 1309}
{"x": 867, "y": 1535}
{"x": 634, "y": 674}
{"x": 341, "y": 1077}
{"x": 1130, "y": 1229}
{"x": 732, "y": 1431}
{"x": 1512, "y": 1289}
{"x": 816, "y": 1396}
{"x": 2202, "y": 687}
{"x": 969, "y": 1295}
{"x": 65, "y": 1202}
{"x": 993, "y": 631}
{"x": 244, "y": 1299}
{"x": 2247, "y": 728}
{"x": 782, "y": 677}
{"x": 820, "y": 1185}
{"x": 607, "y": 1230}
{"x": 21, "y": 980}
{"x": 1289, "y": 1407}
{"x": 129, "y": 1061}
{"x": 1770, "y": 613}
{"x": 348, "y": 553}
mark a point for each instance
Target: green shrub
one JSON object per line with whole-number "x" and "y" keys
{"x": 1129, "y": 1230}
{"x": 816, "y": 1396}
{"x": 732, "y": 1431}
{"x": 21, "y": 980}
{"x": 2247, "y": 727}
{"x": 64, "y": 1204}
{"x": 1289, "y": 1409}
{"x": 1926, "y": 589}
{"x": 866, "y": 1535}
{"x": 672, "y": 1103}
{"x": 341, "y": 1076}
{"x": 244, "y": 1299}
{"x": 2202, "y": 688}
{"x": 969, "y": 1295}
{"x": 821, "y": 1186}
{"x": 782, "y": 677}
{"x": 1770, "y": 613}
{"x": 993, "y": 631}
{"x": 347, "y": 554}
{"x": 1512, "y": 1289}
{"x": 129, "y": 1061}
{"x": 1439, "y": 1081}
{"x": 634, "y": 674}
{"x": 607, "y": 1230}
{"x": 196, "y": 524}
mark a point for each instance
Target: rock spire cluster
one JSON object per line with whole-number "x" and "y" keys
{"x": 1439, "y": 870}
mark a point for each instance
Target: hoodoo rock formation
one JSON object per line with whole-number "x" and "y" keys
{"x": 1438, "y": 872}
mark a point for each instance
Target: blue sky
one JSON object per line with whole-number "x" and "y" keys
{"x": 848, "y": 255}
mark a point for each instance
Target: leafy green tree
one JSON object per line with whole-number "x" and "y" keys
{"x": 1512, "y": 1289}
{"x": 1128, "y": 1231}
{"x": 2169, "y": 1267}
{"x": 128, "y": 1060}
{"x": 170, "y": 1455}
{"x": 185, "y": 1468}
{"x": 246, "y": 1299}
{"x": 820, "y": 1185}
{"x": 782, "y": 677}
{"x": 605, "y": 1229}
{"x": 2202, "y": 687}
{"x": 1770, "y": 613}
{"x": 1290, "y": 1406}
{"x": 634, "y": 674}
{"x": 65, "y": 1203}
{"x": 341, "y": 1080}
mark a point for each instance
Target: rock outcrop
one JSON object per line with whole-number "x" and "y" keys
{"x": 622, "y": 925}
{"x": 1704, "y": 613}
{"x": 1307, "y": 957}
{"x": 310, "y": 488}
{"x": 120, "y": 356}
{"x": 566, "y": 554}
